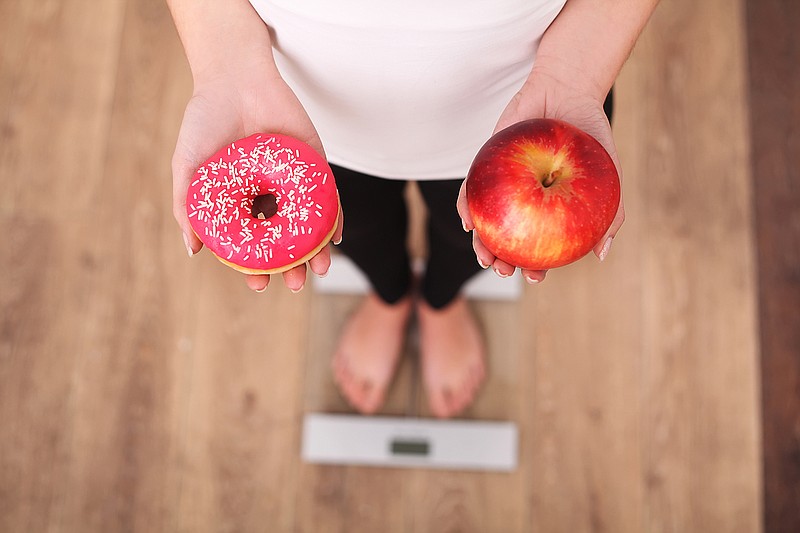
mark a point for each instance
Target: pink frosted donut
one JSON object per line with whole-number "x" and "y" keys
{"x": 264, "y": 204}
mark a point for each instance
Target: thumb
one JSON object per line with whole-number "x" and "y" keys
{"x": 182, "y": 171}
{"x": 463, "y": 208}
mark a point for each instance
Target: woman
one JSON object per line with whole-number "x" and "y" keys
{"x": 391, "y": 92}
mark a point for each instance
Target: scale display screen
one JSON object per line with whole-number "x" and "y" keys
{"x": 410, "y": 447}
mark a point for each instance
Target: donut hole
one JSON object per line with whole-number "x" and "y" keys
{"x": 264, "y": 206}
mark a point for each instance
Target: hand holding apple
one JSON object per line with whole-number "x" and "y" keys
{"x": 548, "y": 96}
{"x": 542, "y": 193}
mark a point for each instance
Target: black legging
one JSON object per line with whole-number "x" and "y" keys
{"x": 375, "y": 232}
{"x": 376, "y": 223}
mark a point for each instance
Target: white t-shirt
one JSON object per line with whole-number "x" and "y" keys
{"x": 406, "y": 89}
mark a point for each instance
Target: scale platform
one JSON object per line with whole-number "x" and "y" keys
{"x": 410, "y": 442}
{"x": 344, "y": 278}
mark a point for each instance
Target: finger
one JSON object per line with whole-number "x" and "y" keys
{"x": 257, "y": 282}
{"x": 337, "y": 234}
{"x": 295, "y": 278}
{"x": 484, "y": 256}
{"x": 181, "y": 176}
{"x": 463, "y": 208}
{"x": 534, "y": 276}
{"x": 503, "y": 269}
{"x": 312, "y": 139}
{"x": 321, "y": 262}
{"x": 602, "y": 247}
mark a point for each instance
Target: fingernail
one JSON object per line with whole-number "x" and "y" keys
{"x": 188, "y": 246}
{"x": 532, "y": 281}
{"x": 481, "y": 264}
{"x": 337, "y": 243}
{"x": 295, "y": 291}
{"x": 606, "y": 248}
{"x": 323, "y": 274}
{"x": 262, "y": 289}
{"x": 500, "y": 274}
{"x": 464, "y": 225}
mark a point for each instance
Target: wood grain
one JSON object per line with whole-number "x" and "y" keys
{"x": 699, "y": 352}
{"x": 57, "y": 85}
{"x": 774, "y": 86}
{"x": 143, "y": 391}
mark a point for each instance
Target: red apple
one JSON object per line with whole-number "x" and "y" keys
{"x": 542, "y": 193}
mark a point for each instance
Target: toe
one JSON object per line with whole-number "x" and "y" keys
{"x": 371, "y": 398}
{"x": 336, "y": 364}
{"x": 478, "y": 375}
{"x": 348, "y": 385}
{"x": 438, "y": 404}
{"x": 339, "y": 365}
{"x": 452, "y": 401}
{"x": 461, "y": 400}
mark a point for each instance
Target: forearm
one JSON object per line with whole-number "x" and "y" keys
{"x": 221, "y": 36}
{"x": 589, "y": 41}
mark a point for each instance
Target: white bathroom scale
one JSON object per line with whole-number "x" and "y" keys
{"x": 410, "y": 442}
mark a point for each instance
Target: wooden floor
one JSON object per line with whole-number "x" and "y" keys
{"x": 774, "y": 53}
{"x": 141, "y": 391}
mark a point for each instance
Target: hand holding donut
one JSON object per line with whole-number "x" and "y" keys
{"x": 220, "y": 113}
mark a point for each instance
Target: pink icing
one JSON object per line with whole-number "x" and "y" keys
{"x": 220, "y": 201}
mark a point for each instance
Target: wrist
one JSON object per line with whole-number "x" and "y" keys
{"x": 588, "y": 43}
{"x": 241, "y": 72}
{"x": 559, "y": 81}
{"x": 223, "y": 39}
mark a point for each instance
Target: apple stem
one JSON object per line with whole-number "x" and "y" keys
{"x": 550, "y": 179}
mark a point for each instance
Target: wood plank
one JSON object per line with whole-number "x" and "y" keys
{"x": 342, "y": 498}
{"x": 774, "y": 88}
{"x": 479, "y": 501}
{"x": 699, "y": 371}
{"x": 58, "y": 73}
{"x": 585, "y": 410}
{"x": 129, "y": 385}
{"x": 242, "y": 439}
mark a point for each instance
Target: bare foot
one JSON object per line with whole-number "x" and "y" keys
{"x": 366, "y": 358}
{"x": 452, "y": 356}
